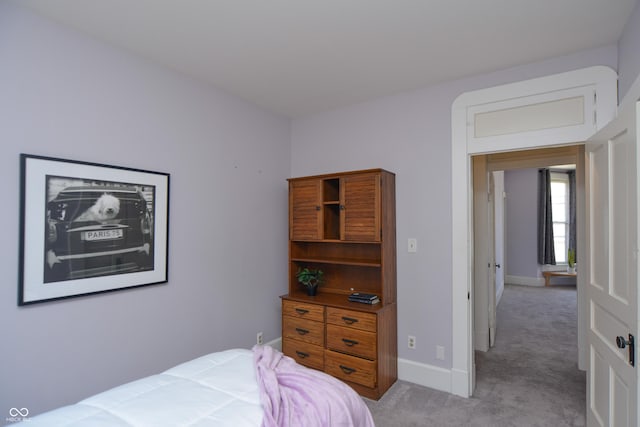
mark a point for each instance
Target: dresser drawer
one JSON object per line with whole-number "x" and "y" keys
{"x": 352, "y": 319}
{"x": 303, "y": 330}
{"x": 304, "y": 353}
{"x": 351, "y": 341}
{"x": 303, "y": 311}
{"x": 350, "y": 368}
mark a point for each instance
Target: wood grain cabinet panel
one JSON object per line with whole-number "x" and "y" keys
{"x": 303, "y": 330}
{"x": 303, "y": 311}
{"x": 350, "y": 369}
{"x": 352, "y": 341}
{"x": 361, "y": 207}
{"x": 352, "y": 319}
{"x": 344, "y": 224}
{"x": 305, "y": 354}
{"x": 305, "y": 210}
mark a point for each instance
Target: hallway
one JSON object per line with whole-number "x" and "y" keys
{"x": 530, "y": 378}
{"x": 533, "y": 366}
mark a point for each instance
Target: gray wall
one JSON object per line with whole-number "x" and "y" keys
{"x": 628, "y": 58}
{"x": 410, "y": 134}
{"x": 67, "y": 96}
{"x": 521, "y": 187}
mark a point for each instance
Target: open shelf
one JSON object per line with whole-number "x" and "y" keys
{"x": 341, "y": 278}
{"x": 342, "y": 261}
{"x": 336, "y": 251}
{"x": 331, "y": 190}
{"x": 331, "y": 217}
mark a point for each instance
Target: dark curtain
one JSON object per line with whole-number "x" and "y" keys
{"x": 572, "y": 211}
{"x": 546, "y": 253}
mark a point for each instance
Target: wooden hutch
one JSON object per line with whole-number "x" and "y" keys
{"x": 345, "y": 225}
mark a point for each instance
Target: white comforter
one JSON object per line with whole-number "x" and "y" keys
{"x": 219, "y": 389}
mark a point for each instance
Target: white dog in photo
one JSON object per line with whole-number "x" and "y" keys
{"x": 105, "y": 208}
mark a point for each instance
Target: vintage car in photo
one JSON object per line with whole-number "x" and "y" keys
{"x": 96, "y": 231}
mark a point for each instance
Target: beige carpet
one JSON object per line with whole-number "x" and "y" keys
{"x": 530, "y": 378}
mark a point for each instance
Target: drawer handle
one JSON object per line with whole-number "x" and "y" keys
{"x": 302, "y": 331}
{"x": 302, "y": 311}
{"x": 349, "y": 343}
{"x": 302, "y": 355}
{"x": 347, "y": 370}
{"x": 349, "y": 320}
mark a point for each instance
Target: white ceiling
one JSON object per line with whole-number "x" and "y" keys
{"x": 298, "y": 57}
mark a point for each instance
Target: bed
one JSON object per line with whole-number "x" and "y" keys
{"x": 239, "y": 387}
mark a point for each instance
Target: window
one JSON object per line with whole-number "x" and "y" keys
{"x": 560, "y": 211}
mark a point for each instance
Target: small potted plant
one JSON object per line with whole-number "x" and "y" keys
{"x": 571, "y": 260}
{"x": 310, "y": 278}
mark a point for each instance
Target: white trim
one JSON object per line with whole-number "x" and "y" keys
{"x": 524, "y": 280}
{"x": 604, "y": 83}
{"x": 561, "y": 134}
{"x": 424, "y": 375}
{"x": 500, "y": 292}
{"x": 276, "y": 344}
{"x": 460, "y": 381}
{"x": 462, "y": 343}
{"x": 481, "y": 340}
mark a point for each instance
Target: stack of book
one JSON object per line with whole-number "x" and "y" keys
{"x": 364, "y": 298}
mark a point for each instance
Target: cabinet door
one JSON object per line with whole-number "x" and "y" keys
{"x": 360, "y": 211}
{"x": 305, "y": 219}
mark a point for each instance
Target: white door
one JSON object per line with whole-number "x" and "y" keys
{"x": 483, "y": 240}
{"x": 612, "y": 250}
{"x": 497, "y": 286}
{"x": 494, "y": 249}
{"x": 491, "y": 232}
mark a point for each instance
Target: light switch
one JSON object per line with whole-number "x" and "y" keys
{"x": 412, "y": 245}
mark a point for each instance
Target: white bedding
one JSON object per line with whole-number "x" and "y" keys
{"x": 219, "y": 389}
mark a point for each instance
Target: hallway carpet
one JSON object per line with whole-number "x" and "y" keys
{"x": 530, "y": 377}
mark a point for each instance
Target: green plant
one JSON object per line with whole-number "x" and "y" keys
{"x": 571, "y": 257}
{"x": 309, "y": 277}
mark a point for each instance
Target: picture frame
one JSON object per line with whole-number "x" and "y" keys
{"x": 88, "y": 228}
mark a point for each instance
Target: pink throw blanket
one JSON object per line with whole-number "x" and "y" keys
{"x": 295, "y": 396}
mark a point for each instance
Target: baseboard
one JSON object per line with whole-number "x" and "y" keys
{"x": 460, "y": 383}
{"x": 524, "y": 280}
{"x": 277, "y": 343}
{"x": 424, "y": 375}
{"x": 499, "y": 295}
{"x": 481, "y": 341}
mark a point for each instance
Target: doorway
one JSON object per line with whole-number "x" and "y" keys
{"x": 485, "y": 292}
{"x": 487, "y": 267}
{"x": 478, "y": 120}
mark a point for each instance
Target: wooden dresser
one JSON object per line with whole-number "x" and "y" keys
{"x": 344, "y": 224}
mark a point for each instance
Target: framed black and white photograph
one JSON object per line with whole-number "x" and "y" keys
{"x": 87, "y": 228}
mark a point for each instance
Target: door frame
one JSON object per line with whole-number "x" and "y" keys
{"x": 595, "y": 84}
{"x": 484, "y": 284}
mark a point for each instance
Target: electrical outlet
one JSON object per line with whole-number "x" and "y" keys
{"x": 439, "y": 352}
{"x": 411, "y": 343}
{"x": 259, "y": 338}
